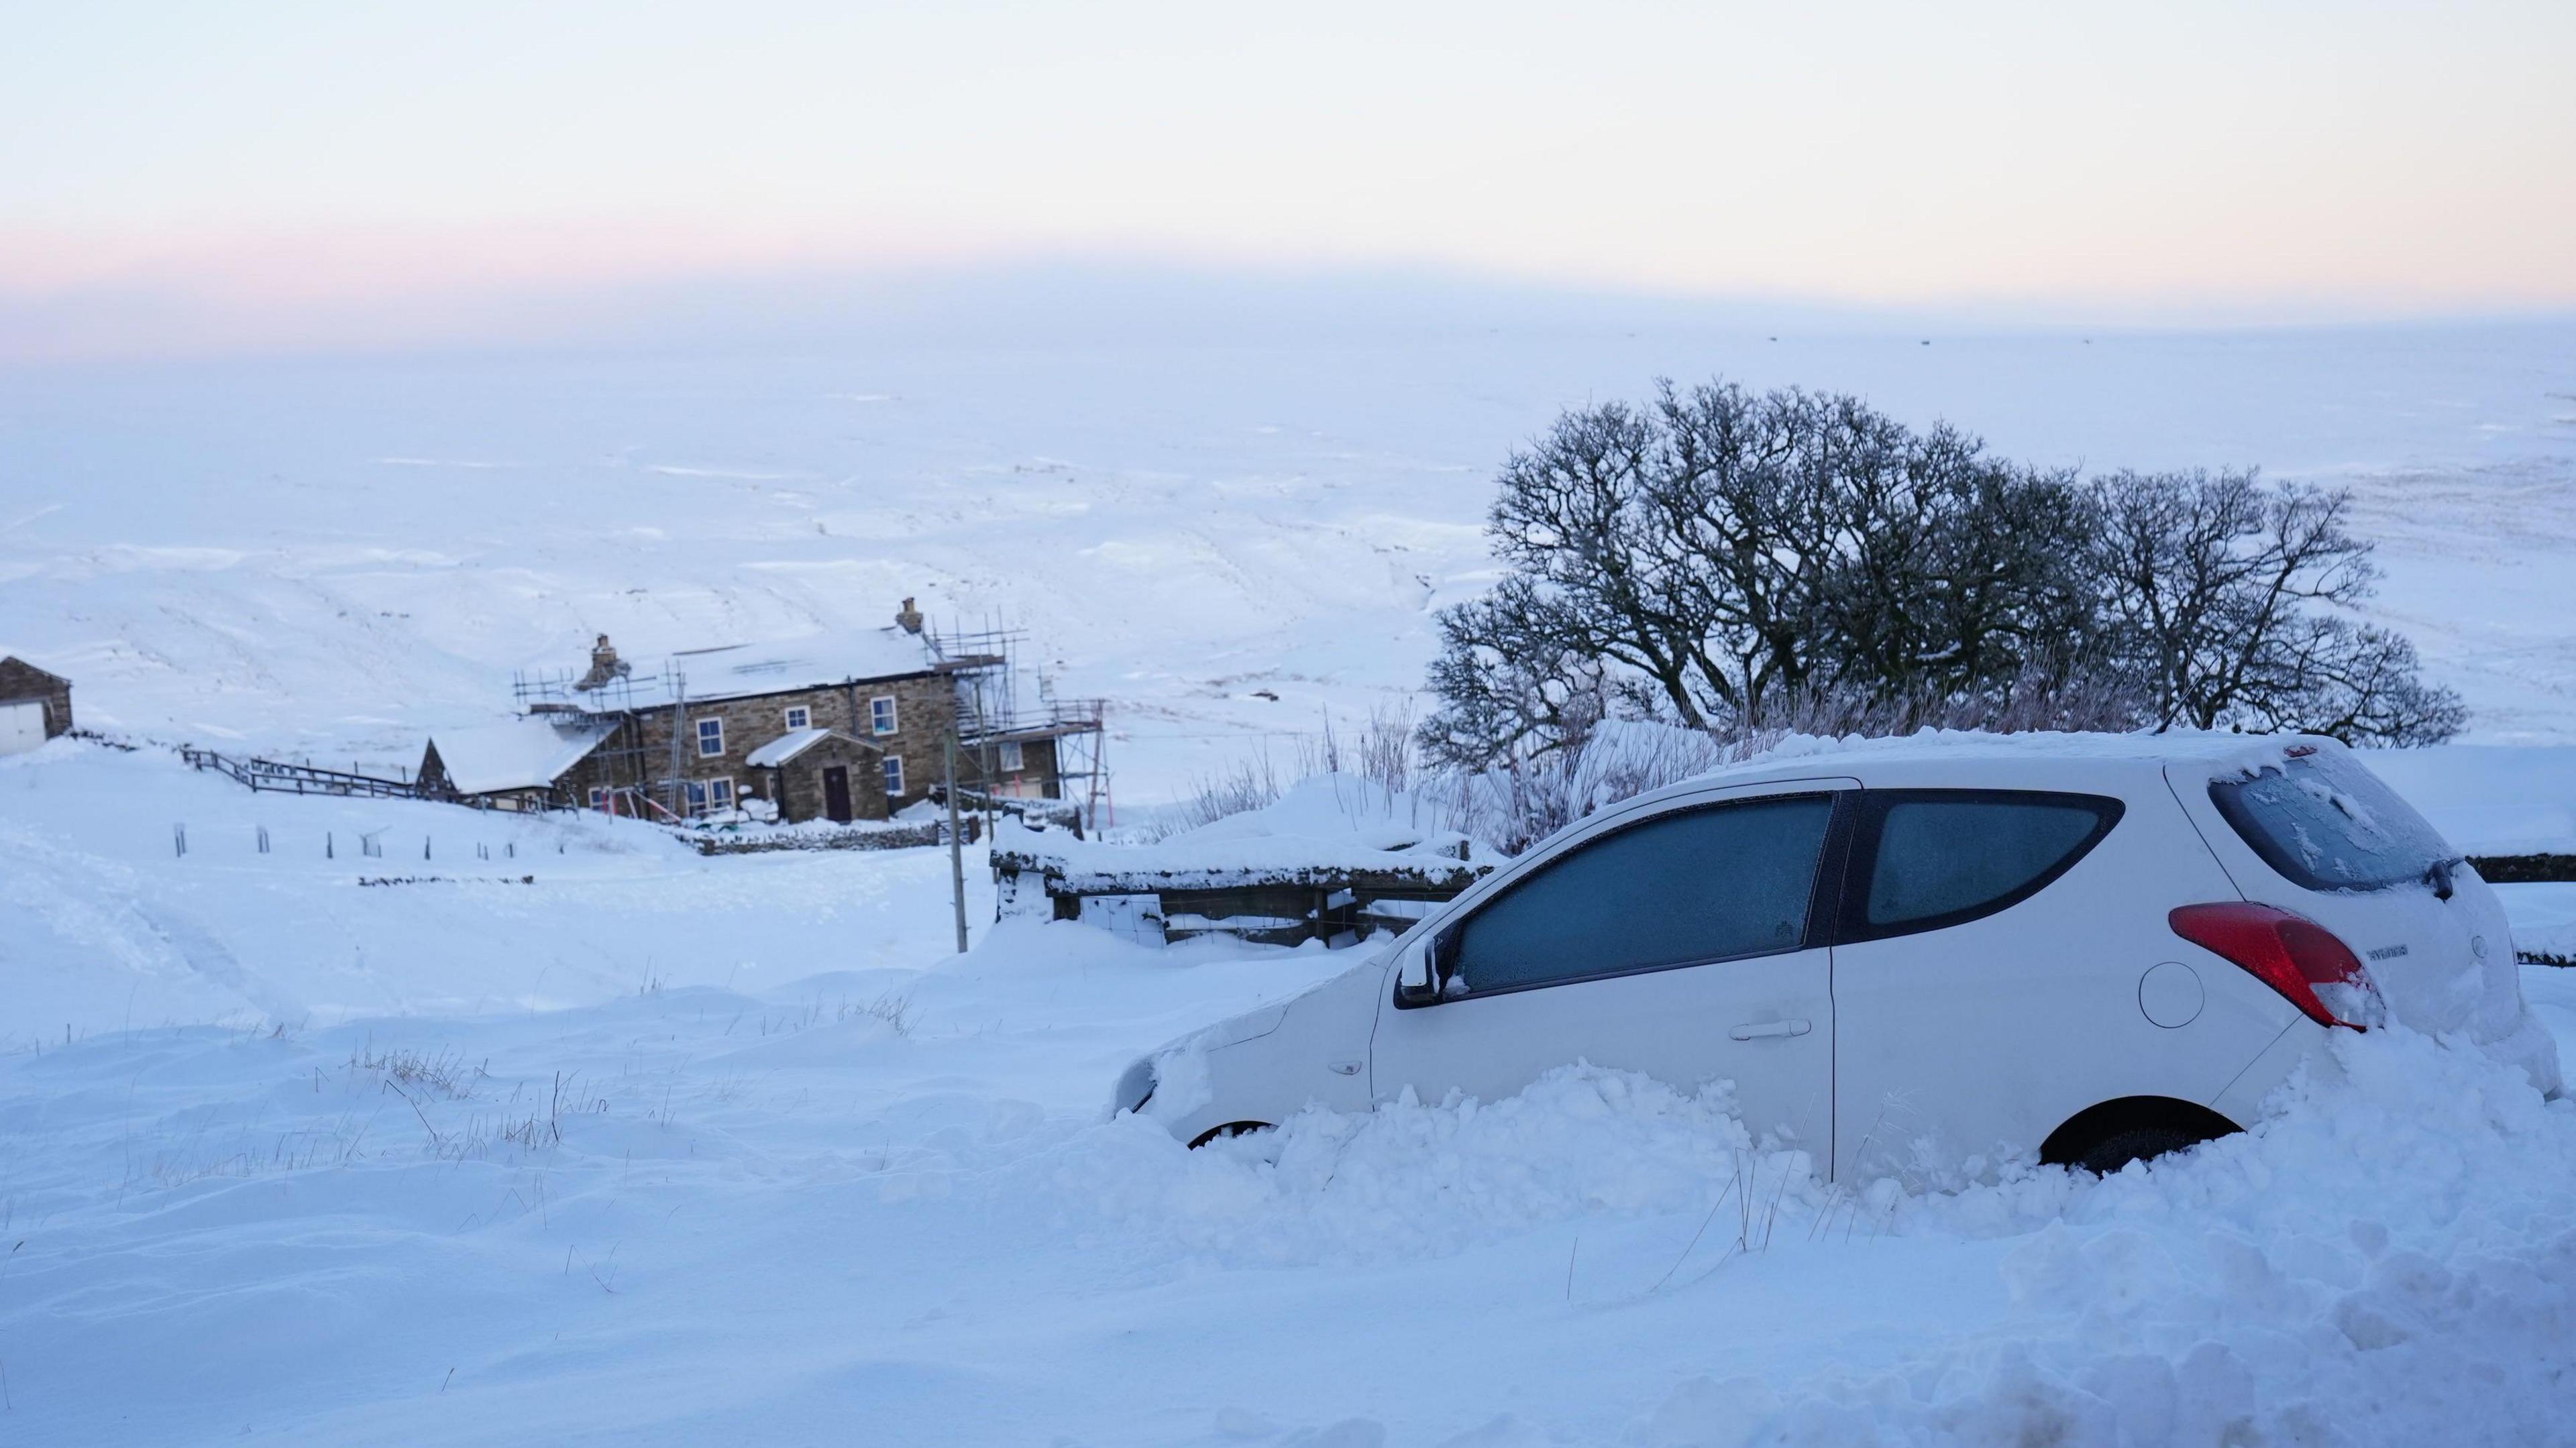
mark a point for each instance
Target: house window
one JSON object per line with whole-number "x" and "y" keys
{"x": 719, "y": 794}
{"x": 894, "y": 774}
{"x": 881, "y": 714}
{"x": 800, "y": 717}
{"x": 710, "y": 738}
{"x": 697, "y": 797}
{"x": 1012, "y": 759}
{"x": 598, "y": 797}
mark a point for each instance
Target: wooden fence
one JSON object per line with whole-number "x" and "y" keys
{"x": 279, "y": 777}
{"x": 1273, "y": 906}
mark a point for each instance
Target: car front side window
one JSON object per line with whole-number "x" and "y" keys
{"x": 1715, "y": 883}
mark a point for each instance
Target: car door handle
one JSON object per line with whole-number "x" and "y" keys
{"x": 1770, "y": 1028}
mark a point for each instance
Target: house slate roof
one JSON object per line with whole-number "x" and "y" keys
{"x": 526, "y": 753}
{"x": 31, "y": 668}
{"x": 787, "y": 746}
{"x": 741, "y": 671}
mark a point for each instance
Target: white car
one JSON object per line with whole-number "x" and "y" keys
{"x": 2092, "y": 948}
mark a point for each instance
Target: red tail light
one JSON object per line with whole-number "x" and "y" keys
{"x": 2290, "y": 953}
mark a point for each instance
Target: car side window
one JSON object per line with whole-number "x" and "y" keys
{"x": 1936, "y": 858}
{"x": 1697, "y": 885}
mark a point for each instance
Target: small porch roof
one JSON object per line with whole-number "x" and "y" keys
{"x": 787, "y": 746}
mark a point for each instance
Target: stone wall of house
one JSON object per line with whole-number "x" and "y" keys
{"x": 925, "y": 707}
{"x": 609, "y": 767}
{"x": 798, "y": 790}
{"x": 20, "y": 680}
{"x": 1038, "y": 776}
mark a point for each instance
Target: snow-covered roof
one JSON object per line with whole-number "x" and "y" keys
{"x": 528, "y": 753}
{"x": 2173, "y": 746}
{"x": 787, "y": 746}
{"x": 736, "y": 671}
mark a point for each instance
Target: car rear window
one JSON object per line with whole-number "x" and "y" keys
{"x": 1940, "y": 858}
{"x": 2325, "y": 822}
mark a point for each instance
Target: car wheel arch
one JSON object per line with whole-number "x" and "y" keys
{"x": 1230, "y": 1128}
{"x": 2134, "y": 1118}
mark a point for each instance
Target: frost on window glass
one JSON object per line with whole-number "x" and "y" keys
{"x": 2325, "y": 822}
{"x": 1703, "y": 885}
{"x": 1941, "y": 858}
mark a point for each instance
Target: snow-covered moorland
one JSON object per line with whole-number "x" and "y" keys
{"x": 603, "y": 1141}
{"x": 1228, "y": 514}
{"x": 552, "y": 1131}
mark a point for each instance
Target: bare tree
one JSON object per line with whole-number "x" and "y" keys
{"x": 1731, "y": 561}
{"x": 2231, "y": 602}
{"x": 1599, "y": 575}
{"x": 1697, "y": 559}
{"x": 1514, "y": 677}
{"x": 1957, "y": 575}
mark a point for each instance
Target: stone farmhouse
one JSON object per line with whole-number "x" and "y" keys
{"x": 34, "y": 705}
{"x": 847, "y": 728}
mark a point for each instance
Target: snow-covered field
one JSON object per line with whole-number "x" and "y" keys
{"x": 657, "y": 1149}
{"x": 329, "y": 557}
{"x": 565, "y": 1134}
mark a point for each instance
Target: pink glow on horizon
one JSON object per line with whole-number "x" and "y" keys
{"x": 349, "y": 173}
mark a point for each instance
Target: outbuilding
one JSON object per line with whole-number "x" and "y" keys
{"x": 519, "y": 765}
{"x": 35, "y": 705}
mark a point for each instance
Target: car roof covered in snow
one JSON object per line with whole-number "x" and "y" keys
{"x": 525, "y": 753}
{"x": 1918, "y": 757}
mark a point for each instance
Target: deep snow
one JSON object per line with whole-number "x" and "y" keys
{"x": 563, "y": 1133}
{"x": 777, "y": 1168}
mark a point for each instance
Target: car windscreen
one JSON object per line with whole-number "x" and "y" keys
{"x": 2325, "y": 822}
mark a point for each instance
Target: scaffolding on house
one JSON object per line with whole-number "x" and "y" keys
{"x": 992, "y": 722}
{"x": 625, "y": 777}
{"x": 990, "y": 719}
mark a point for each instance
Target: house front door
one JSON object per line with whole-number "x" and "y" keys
{"x": 836, "y": 793}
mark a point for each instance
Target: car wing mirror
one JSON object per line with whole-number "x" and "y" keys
{"x": 1417, "y": 981}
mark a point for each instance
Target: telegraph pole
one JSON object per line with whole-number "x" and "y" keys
{"x": 956, "y": 843}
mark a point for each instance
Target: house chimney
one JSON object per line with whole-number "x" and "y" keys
{"x": 604, "y": 665}
{"x": 909, "y": 618}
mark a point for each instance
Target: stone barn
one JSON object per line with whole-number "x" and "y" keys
{"x": 34, "y": 705}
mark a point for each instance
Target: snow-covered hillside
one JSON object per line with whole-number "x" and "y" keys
{"x": 328, "y": 557}
{"x": 420, "y": 1125}
{"x": 650, "y": 1148}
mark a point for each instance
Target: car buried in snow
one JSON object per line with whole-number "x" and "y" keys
{"x": 2091, "y": 949}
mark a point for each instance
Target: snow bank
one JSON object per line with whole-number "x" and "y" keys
{"x": 690, "y": 1214}
{"x": 1412, "y": 1179}
{"x": 2391, "y": 1259}
{"x": 104, "y": 925}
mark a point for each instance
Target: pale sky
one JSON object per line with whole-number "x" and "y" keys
{"x": 2121, "y": 161}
